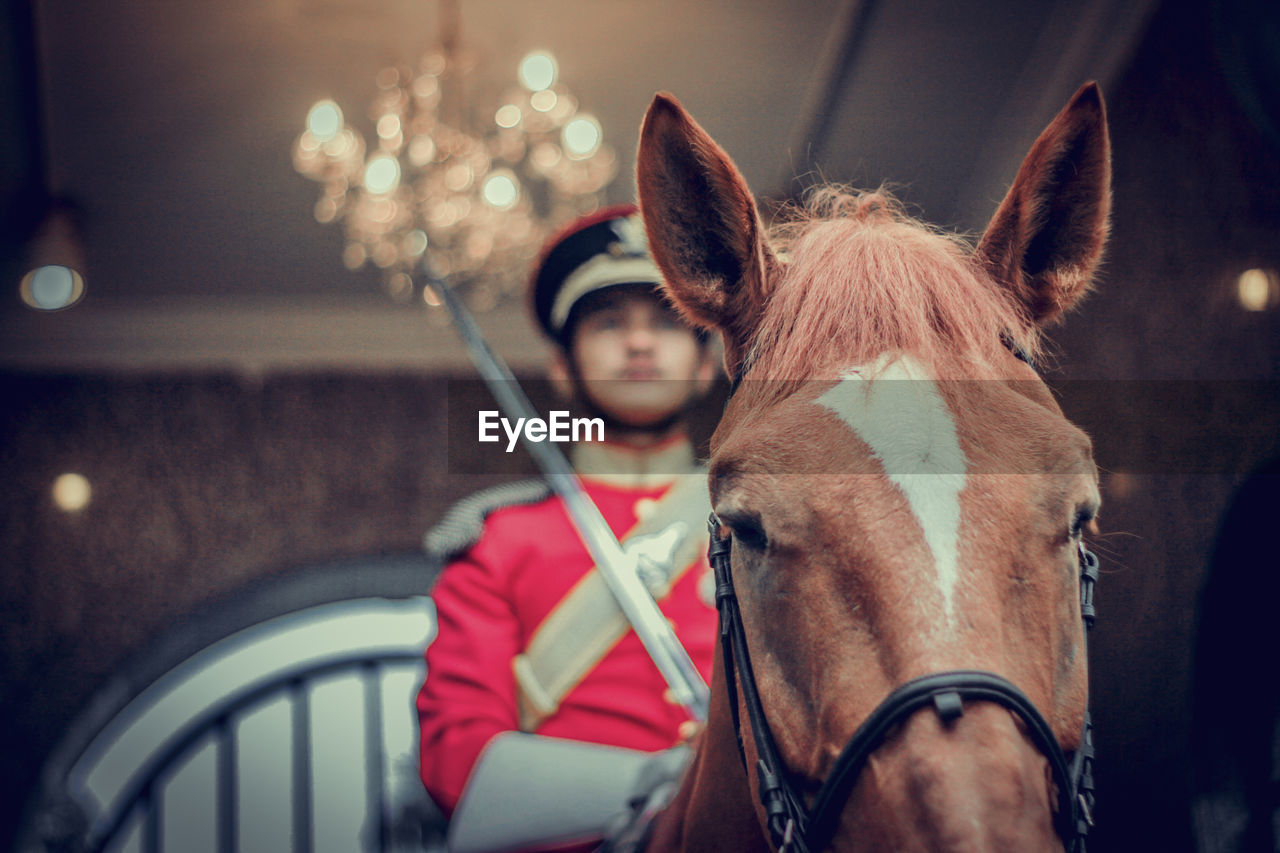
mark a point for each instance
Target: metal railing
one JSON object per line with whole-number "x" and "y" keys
{"x": 147, "y": 776}
{"x": 145, "y": 792}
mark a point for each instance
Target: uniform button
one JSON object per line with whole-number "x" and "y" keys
{"x": 687, "y": 729}
{"x": 669, "y": 697}
{"x": 644, "y": 508}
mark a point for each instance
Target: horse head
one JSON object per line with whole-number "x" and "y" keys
{"x": 901, "y": 493}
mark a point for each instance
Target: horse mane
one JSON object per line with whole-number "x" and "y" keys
{"x": 862, "y": 277}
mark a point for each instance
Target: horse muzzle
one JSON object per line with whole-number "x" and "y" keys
{"x": 963, "y": 766}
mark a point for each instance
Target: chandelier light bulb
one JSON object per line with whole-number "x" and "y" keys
{"x": 339, "y": 145}
{"x": 415, "y": 243}
{"x": 434, "y": 188}
{"x": 382, "y": 174}
{"x": 581, "y": 137}
{"x": 426, "y": 86}
{"x": 544, "y": 101}
{"x": 324, "y": 120}
{"x": 458, "y": 177}
{"x": 422, "y": 149}
{"x": 538, "y": 71}
{"x": 389, "y": 126}
{"x": 508, "y": 115}
{"x": 501, "y": 190}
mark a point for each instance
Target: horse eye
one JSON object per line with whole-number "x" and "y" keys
{"x": 1084, "y": 515}
{"x": 749, "y": 532}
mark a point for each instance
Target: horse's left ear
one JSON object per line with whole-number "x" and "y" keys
{"x": 1046, "y": 238}
{"x": 704, "y": 228}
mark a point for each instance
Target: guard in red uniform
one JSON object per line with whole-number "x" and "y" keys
{"x": 533, "y": 659}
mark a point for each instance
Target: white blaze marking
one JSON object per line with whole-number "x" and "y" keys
{"x": 908, "y": 427}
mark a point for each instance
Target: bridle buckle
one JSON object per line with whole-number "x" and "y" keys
{"x": 948, "y": 705}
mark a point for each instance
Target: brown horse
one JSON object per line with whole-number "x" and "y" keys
{"x": 880, "y": 531}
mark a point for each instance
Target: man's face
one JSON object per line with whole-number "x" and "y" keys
{"x": 635, "y": 357}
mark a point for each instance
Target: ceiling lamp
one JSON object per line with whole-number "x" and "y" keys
{"x": 55, "y": 261}
{"x": 1258, "y": 289}
{"x": 474, "y": 190}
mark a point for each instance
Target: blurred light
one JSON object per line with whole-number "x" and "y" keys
{"x": 421, "y": 150}
{"x": 538, "y": 71}
{"x": 387, "y": 78}
{"x": 324, "y": 120}
{"x": 546, "y": 155}
{"x": 434, "y": 64}
{"x": 380, "y": 209}
{"x": 51, "y": 287}
{"x": 382, "y": 174}
{"x": 384, "y": 254}
{"x": 326, "y": 209}
{"x": 565, "y": 107}
{"x": 400, "y": 287}
{"x": 581, "y": 137}
{"x": 426, "y": 86}
{"x": 508, "y": 115}
{"x": 354, "y": 256}
{"x": 1120, "y": 485}
{"x": 341, "y": 144}
{"x": 543, "y": 101}
{"x": 458, "y": 177}
{"x": 415, "y": 242}
{"x": 435, "y": 185}
{"x": 442, "y": 214}
{"x": 430, "y": 297}
{"x": 54, "y": 275}
{"x": 500, "y": 190}
{"x": 389, "y": 126}
{"x": 71, "y": 492}
{"x": 1257, "y": 289}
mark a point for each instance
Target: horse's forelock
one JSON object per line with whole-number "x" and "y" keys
{"x": 863, "y": 278}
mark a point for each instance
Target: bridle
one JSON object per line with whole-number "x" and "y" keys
{"x": 793, "y": 826}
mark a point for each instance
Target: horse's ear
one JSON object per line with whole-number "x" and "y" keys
{"x": 1046, "y": 238}
{"x": 704, "y": 228}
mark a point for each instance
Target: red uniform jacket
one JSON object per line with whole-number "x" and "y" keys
{"x": 490, "y": 601}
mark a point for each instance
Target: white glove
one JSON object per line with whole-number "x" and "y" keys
{"x": 528, "y": 790}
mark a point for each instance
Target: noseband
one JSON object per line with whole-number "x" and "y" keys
{"x": 795, "y": 827}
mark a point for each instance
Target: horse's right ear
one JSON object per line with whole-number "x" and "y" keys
{"x": 1046, "y": 238}
{"x": 704, "y": 228}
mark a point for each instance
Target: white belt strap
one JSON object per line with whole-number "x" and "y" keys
{"x": 588, "y": 622}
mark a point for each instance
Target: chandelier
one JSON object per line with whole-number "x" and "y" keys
{"x": 472, "y": 195}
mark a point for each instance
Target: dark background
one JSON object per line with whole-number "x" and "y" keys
{"x": 221, "y": 454}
